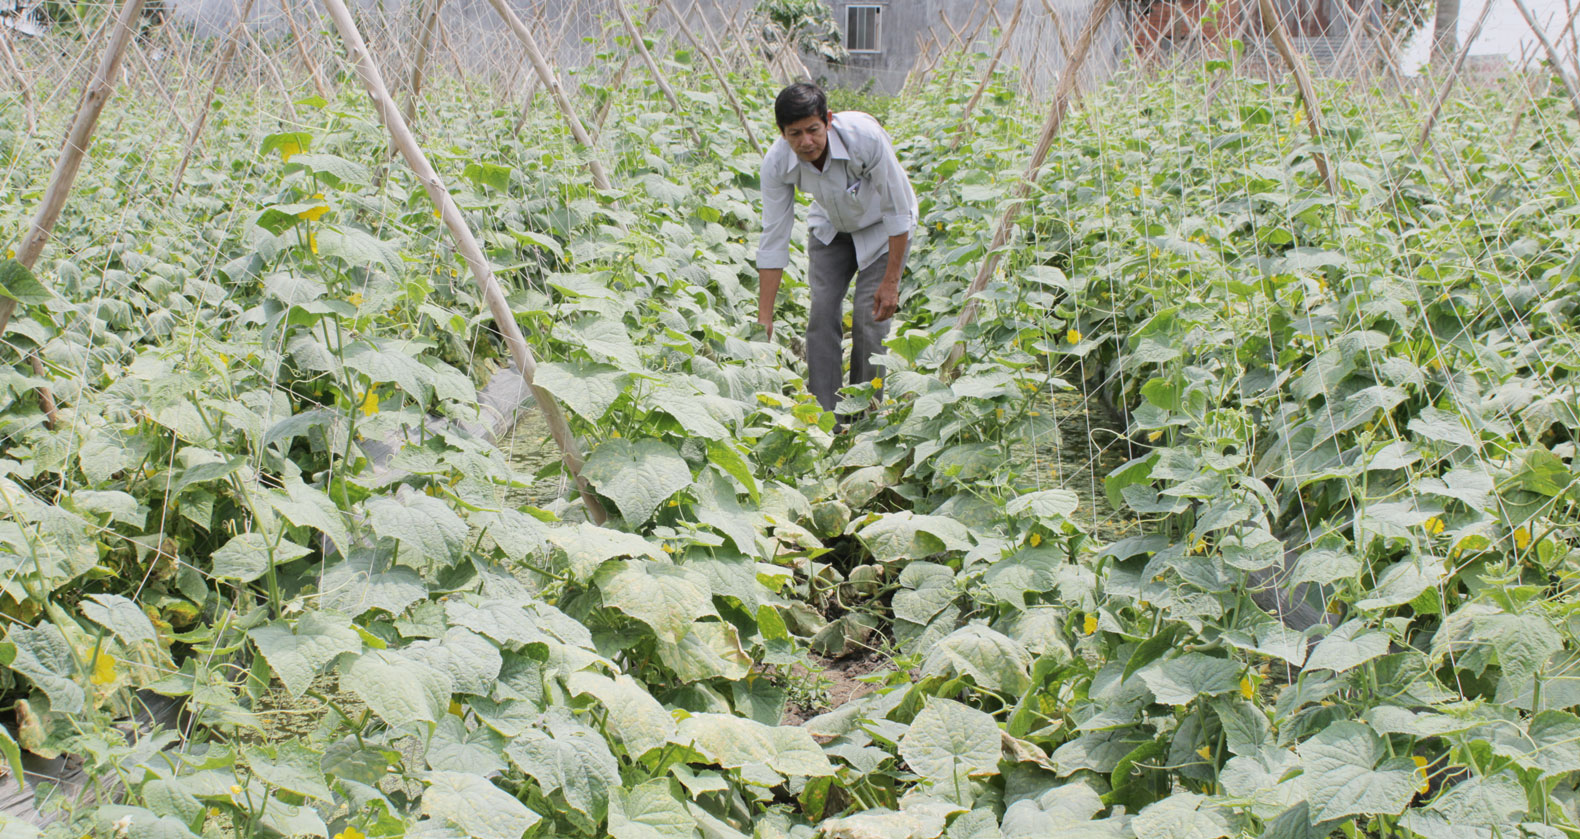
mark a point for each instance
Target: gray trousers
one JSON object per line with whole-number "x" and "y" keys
{"x": 829, "y": 270}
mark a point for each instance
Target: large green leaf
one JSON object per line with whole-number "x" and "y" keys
{"x": 471, "y": 662}
{"x": 124, "y": 618}
{"x": 1182, "y": 815}
{"x": 298, "y": 652}
{"x": 472, "y": 805}
{"x": 1347, "y": 647}
{"x": 585, "y": 387}
{"x": 588, "y": 546}
{"x": 566, "y": 756}
{"x": 429, "y": 532}
{"x": 400, "y": 689}
{"x": 1347, "y": 773}
{"x": 992, "y": 659}
{"x": 637, "y": 475}
{"x": 44, "y": 656}
{"x": 666, "y": 597}
{"x": 905, "y": 535}
{"x": 365, "y": 581}
{"x": 246, "y": 557}
{"x": 948, "y": 740}
{"x": 638, "y": 720}
{"x": 290, "y": 766}
{"x": 1177, "y": 681}
{"x": 734, "y": 742}
{"x": 650, "y": 810}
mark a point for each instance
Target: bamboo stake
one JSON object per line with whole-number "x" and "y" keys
{"x": 713, "y": 67}
{"x": 1448, "y": 83}
{"x": 1050, "y": 129}
{"x": 551, "y": 81}
{"x": 707, "y": 33}
{"x": 424, "y": 45}
{"x": 449, "y": 48}
{"x": 94, "y": 96}
{"x": 954, "y": 34}
{"x": 1552, "y": 55}
{"x": 301, "y": 49}
{"x": 977, "y": 32}
{"x": 615, "y": 83}
{"x": 14, "y": 69}
{"x": 466, "y": 244}
{"x": 532, "y": 83}
{"x": 1308, "y": 93}
{"x": 640, "y": 44}
{"x": 229, "y": 51}
{"x": 987, "y": 77}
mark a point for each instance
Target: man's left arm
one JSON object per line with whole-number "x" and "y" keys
{"x": 894, "y": 193}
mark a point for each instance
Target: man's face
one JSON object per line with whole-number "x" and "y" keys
{"x": 808, "y": 137}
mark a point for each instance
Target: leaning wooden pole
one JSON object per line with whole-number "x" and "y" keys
{"x": 718, "y": 74}
{"x": 987, "y": 77}
{"x": 420, "y": 60}
{"x": 302, "y": 50}
{"x": 550, "y": 80}
{"x": 640, "y": 45}
{"x": 1552, "y": 55}
{"x": 1453, "y": 76}
{"x": 14, "y": 69}
{"x": 1308, "y": 91}
{"x": 1050, "y": 129}
{"x": 466, "y": 245}
{"x": 77, "y": 139}
{"x": 532, "y": 84}
{"x": 226, "y": 54}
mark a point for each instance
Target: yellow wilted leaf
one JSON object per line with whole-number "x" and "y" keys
{"x": 312, "y": 241}
{"x": 998, "y": 413}
{"x": 1420, "y": 769}
{"x": 1522, "y": 538}
{"x": 1200, "y": 547}
{"x": 351, "y": 833}
{"x": 1247, "y": 690}
{"x": 1035, "y": 540}
{"x": 456, "y": 709}
{"x": 1335, "y": 607}
{"x": 1433, "y": 525}
{"x": 1090, "y": 625}
{"x": 370, "y": 404}
{"x": 288, "y": 148}
{"x": 103, "y": 669}
{"x": 1205, "y": 752}
{"x": 355, "y": 299}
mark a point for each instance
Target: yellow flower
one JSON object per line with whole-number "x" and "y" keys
{"x": 1200, "y": 547}
{"x": 370, "y": 404}
{"x": 10, "y": 253}
{"x": 355, "y": 299}
{"x": 669, "y": 549}
{"x": 1420, "y": 770}
{"x": 1073, "y": 336}
{"x": 1433, "y": 525}
{"x": 877, "y": 383}
{"x": 235, "y": 790}
{"x": 1522, "y": 538}
{"x": 615, "y": 434}
{"x": 312, "y": 242}
{"x": 1155, "y": 436}
{"x": 1247, "y": 690}
{"x": 351, "y": 833}
{"x": 213, "y": 812}
{"x": 1035, "y": 540}
{"x": 438, "y": 213}
{"x": 103, "y": 669}
{"x": 674, "y": 502}
{"x": 313, "y": 213}
{"x": 998, "y": 413}
{"x": 1335, "y": 606}
{"x": 1157, "y": 254}
{"x": 1136, "y": 190}
{"x": 1205, "y": 752}
{"x": 1090, "y": 625}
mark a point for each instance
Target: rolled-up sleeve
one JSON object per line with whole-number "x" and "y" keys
{"x": 773, "y": 249}
{"x": 897, "y": 201}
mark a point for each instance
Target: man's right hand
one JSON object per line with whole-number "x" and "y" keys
{"x": 767, "y": 292}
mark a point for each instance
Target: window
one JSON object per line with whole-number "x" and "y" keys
{"x": 861, "y": 28}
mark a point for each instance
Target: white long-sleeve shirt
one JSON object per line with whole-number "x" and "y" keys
{"x": 861, "y": 191}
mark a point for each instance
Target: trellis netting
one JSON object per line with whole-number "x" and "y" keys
{"x": 390, "y": 448}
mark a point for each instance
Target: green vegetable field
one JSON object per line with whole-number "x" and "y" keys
{"x": 1248, "y": 508}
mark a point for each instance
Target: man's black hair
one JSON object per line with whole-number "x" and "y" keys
{"x": 799, "y": 101}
